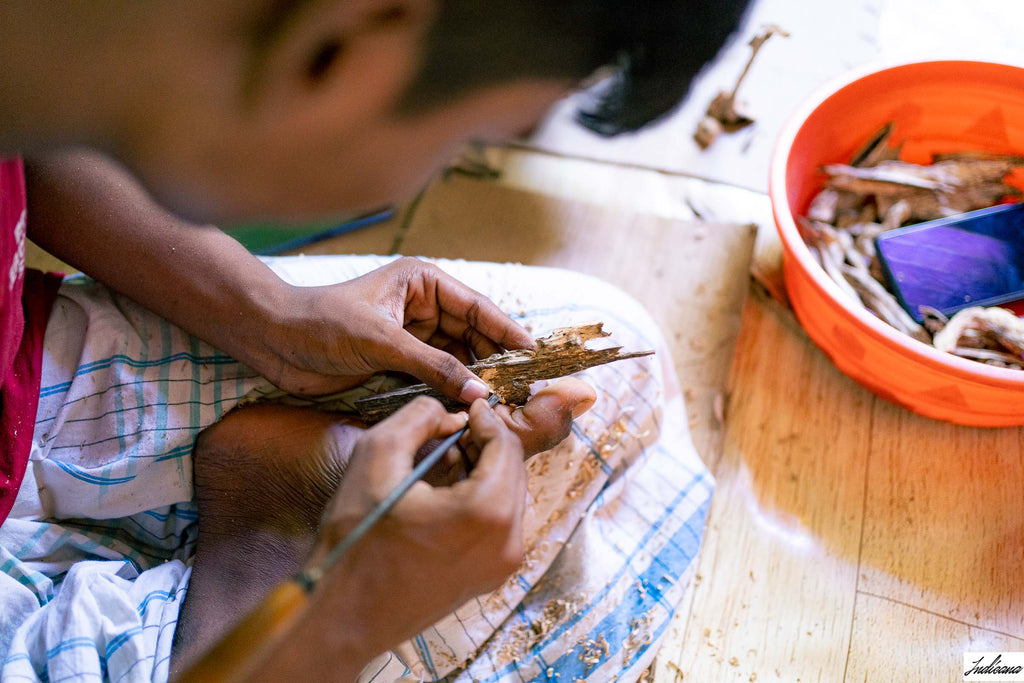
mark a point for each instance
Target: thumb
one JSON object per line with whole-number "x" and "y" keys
{"x": 438, "y": 369}
{"x": 547, "y": 417}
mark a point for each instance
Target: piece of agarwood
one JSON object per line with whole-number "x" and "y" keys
{"x": 510, "y": 374}
{"x": 877, "y": 192}
{"x": 725, "y": 113}
{"x": 1013, "y": 160}
{"x": 876, "y": 149}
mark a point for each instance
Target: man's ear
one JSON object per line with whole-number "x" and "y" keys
{"x": 359, "y": 54}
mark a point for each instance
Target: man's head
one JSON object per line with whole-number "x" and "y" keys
{"x": 240, "y": 108}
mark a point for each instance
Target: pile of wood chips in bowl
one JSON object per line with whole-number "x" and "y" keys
{"x": 877, "y": 192}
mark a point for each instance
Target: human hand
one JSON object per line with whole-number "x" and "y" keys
{"x": 437, "y": 547}
{"x": 408, "y": 316}
{"x": 546, "y": 419}
{"x": 542, "y": 423}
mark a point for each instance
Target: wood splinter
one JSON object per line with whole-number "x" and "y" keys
{"x": 510, "y": 374}
{"x": 725, "y": 113}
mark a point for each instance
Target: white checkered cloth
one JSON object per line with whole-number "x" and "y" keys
{"x": 95, "y": 558}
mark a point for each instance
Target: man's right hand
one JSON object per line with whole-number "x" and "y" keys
{"x": 437, "y": 548}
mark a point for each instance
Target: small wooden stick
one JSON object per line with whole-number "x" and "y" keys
{"x": 510, "y": 374}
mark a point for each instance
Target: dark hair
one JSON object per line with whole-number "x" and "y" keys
{"x": 656, "y": 47}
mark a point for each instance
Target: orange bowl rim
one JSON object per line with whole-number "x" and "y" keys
{"x": 795, "y": 247}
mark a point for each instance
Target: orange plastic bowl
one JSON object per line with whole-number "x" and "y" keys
{"x": 938, "y": 106}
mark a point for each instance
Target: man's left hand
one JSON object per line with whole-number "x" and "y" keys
{"x": 408, "y": 316}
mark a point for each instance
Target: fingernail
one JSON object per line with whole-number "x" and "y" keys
{"x": 472, "y": 390}
{"x": 580, "y": 408}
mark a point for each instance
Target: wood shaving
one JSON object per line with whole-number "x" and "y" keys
{"x": 638, "y": 638}
{"x": 593, "y": 651}
{"x": 979, "y": 328}
{"x": 510, "y": 374}
{"x": 517, "y": 642}
{"x": 725, "y": 112}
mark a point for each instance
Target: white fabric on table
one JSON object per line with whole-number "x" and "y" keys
{"x": 94, "y": 560}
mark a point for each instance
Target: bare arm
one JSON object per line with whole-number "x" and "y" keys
{"x": 406, "y": 316}
{"x": 89, "y": 212}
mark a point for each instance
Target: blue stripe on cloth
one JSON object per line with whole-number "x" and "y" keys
{"x": 596, "y": 599}
{"x": 164, "y": 389}
{"x": 139, "y": 407}
{"x": 144, "y": 337}
{"x": 17, "y": 569}
{"x": 444, "y": 641}
{"x": 82, "y": 475}
{"x": 543, "y": 666}
{"x": 630, "y": 506}
{"x": 121, "y": 445}
{"x": 35, "y": 581}
{"x": 109, "y": 535}
{"x": 194, "y": 415}
{"x": 105, "y": 363}
{"x": 218, "y": 378}
{"x": 137, "y": 432}
{"x": 640, "y": 396}
{"x": 424, "y": 652}
{"x": 628, "y": 558}
{"x": 656, "y": 592}
{"x": 173, "y": 625}
{"x": 614, "y": 628}
{"x": 121, "y": 639}
{"x": 173, "y": 454}
{"x": 70, "y": 644}
{"x": 175, "y": 511}
{"x": 163, "y": 596}
{"x": 16, "y": 658}
{"x": 124, "y": 385}
{"x": 30, "y": 543}
{"x": 589, "y": 443}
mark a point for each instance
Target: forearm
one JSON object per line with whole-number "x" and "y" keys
{"x": 320, "y": 647}
{"x": 92, "y": 214}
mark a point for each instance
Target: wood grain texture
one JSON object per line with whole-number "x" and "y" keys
{"x": 849, "y": 539}
{"x": 778, "y": 571}
{"x": 894, "y": 642}
{"x": 509, "y": 375}
{"x": 944, "y": 529}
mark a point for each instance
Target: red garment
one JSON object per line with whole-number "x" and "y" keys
{"x": 25, "y": 302}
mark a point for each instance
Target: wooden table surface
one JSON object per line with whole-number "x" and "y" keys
{"x": 849, "y": 540}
